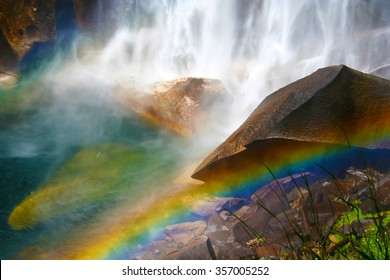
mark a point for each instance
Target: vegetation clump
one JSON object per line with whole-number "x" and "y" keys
{"x": 357, "y": 227}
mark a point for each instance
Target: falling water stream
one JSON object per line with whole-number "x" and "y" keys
{"x": 69, "y": 108}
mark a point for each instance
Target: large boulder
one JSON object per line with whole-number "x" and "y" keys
{"x": 182, "y": 105}
{"x": 333, "y": 107}
{"x": 24, "y": 22}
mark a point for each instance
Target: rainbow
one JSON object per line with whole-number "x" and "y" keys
{"x": 119, "y": 230}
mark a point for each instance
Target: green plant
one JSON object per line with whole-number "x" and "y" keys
{"x": 366, "y": 237}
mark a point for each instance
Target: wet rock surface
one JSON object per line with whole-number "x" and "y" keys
{"x": 25, "y": 22}
{"x": 209, "y": 205}
{"x": 295, "y": 215}
{"x": 183, "y": 105}
{"x": 330, "y": 108}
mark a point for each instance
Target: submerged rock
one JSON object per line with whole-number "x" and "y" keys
{"x": 183, "y": 105}
{"x": 92, "y": 175}
{"x": 332, "y": 108}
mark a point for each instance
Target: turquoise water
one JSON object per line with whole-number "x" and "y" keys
{"x": 64, "y": 102}
{"x": 48, "y": 135}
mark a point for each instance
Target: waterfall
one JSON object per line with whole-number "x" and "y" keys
{"x": 253, "y": 46}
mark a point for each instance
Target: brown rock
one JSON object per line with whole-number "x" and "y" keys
{"x": 377, "y": 199}
{"x": 182, "y": 105}
{"x": 312, "y": 114}
{"x": 272, "y": 197}
{"x": 271, "y": 251}
{"x": 234, "y": 251}
{"x": 358, "y": 227}
{"x": 156, "y": 250}
{"x": 323, "y": 191}
{"x": 252, "y": 216}
{"x": 219, "y": 229}
{"x": 276, "y": 196}
{"x": 199, "y": 248}
{"x": 24, "y": 22}
{"x": 209, "y": 205}
{"x": 8, "y": 59}
{"x": 384, "y": 195}
{"x": 220, "y": 238}
{"x": 8, "y": 80}
{"x": 291, "y": 223}
{"x": 184, "y": 232}
{"x": 324, "y": 213}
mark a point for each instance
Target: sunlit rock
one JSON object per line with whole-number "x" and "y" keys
{"x": 200, "y": 248}
{"x": 177, "y": 238}
{"x": 272, "y": 251}
{"x": 8, "y": 80}
{"x": 25, "y": 22}
{"x": 183, "y": 233}
{"x": 89, "y": 177}
{"x": 331, "y": 108}
{"x": 183, "y": 105}
{"x": 209, "y": 205}
{"x": 219, "y": 231}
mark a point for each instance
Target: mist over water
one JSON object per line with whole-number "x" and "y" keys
{"x": 253, "y": 47}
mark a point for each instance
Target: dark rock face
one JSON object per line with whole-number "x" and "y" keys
{"x": 318, "y": 112}
{"x": 8, "y": 59}
{"x": 182, "y": 105}
{"x": 24, "y": 22}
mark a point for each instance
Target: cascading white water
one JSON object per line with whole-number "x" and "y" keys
{"x": 253, "y": 47}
